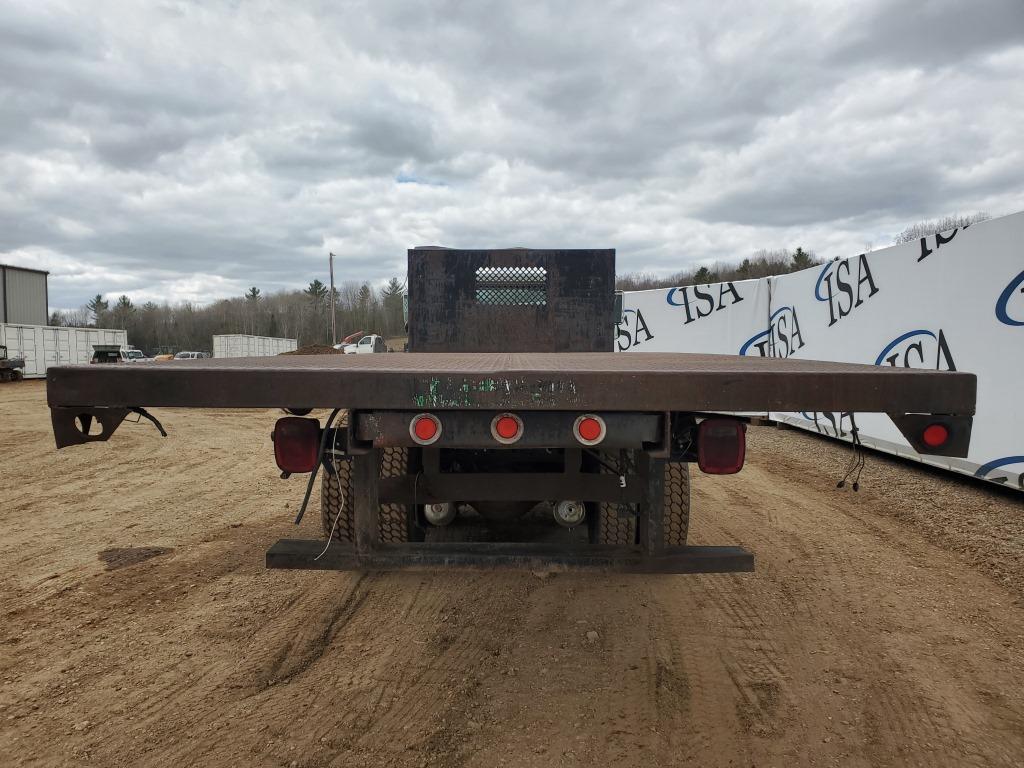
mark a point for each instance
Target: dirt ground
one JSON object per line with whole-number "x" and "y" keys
{"x": 139, "y": 627}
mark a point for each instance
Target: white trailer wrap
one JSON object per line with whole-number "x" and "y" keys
{"x": 240, "y": 345}
{"x": 952, "y": 301}
{"x": 46, "y": 345}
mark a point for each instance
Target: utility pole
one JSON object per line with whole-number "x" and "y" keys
{"x": 334, "y": 327}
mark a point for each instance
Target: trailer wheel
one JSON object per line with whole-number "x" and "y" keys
{"x": 394, "y": 518}
{"x": 336, "y": 502}
{"x": 676, "y": 503}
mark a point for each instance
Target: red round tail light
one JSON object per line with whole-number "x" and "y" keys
{"x": 589, "y": 429}
{"x": 425, "y": 428}
{"x": 506, "y": 428}
{"x": 935, "y": 435}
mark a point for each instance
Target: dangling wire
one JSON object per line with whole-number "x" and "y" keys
{"x": 856, "y": 463}
{"x": 319, "y": 460}
{"x": 333, "y": 472}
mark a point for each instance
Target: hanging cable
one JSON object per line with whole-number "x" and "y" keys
{"x": 856, "y": 463}
{"x": 319, "y": 460}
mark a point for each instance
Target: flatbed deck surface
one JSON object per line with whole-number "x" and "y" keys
{"x": 541, "y": 381}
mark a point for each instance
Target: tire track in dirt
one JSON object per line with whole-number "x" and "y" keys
{"x": 857, "y": 642}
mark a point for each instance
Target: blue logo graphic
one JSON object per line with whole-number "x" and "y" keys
{"x": 698, "y": 303}
{"x": 899, "y": 340}
{"x": 782, "y": 337}
{"x": 821, "y": 276}
{"x": 918, "y": 349}
{"x": 1003, "y": 304}
{"x": 845, "y": 285}
{"x": 987, "y": 469}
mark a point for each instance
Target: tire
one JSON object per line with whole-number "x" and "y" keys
{"x": 616, "y": 523}
{"x": 622, "y": 530}
{"x": 337, "y": 494}
{"x": 394, "y": 518}
{"x": 336, "y": 501}
{"x": 676, "y": 504}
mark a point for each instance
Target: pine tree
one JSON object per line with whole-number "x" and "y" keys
{"x": 98, "y": 306}
{"x": 317, "y": 293}
{"x": 122, "y": 312}
{"x": 802, "y": 259}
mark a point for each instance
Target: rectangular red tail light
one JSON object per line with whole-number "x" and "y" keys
{"x": 721, "y": 446}
{"x": 296, "y": 444}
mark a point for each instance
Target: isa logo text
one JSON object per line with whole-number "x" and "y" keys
{"x": 781, "y": 339}
{"x": 918, "y": 349}
{"x": 845, "y": 287}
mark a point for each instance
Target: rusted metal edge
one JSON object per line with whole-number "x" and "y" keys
{"x": 302, "y": 554}
{"x": 735, "y": 388}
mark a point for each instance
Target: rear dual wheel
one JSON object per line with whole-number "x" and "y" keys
{"x": 617, "y": 523}
{"x": 337, "y": 511}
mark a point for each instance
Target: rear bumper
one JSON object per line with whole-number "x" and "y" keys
{"x": 302, "y": 554}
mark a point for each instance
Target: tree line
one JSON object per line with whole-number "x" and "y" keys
{"x": 305, "y": 315}
{"x": 302, "y": 315}
{"x": 762, "y": 264}
{"x": 765, "y": 263}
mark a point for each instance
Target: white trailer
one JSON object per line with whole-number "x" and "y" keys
{"x": 46, "y": 345}
{"x": 241, "y": 345}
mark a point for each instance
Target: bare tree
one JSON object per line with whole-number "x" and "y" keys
{"x": 762, "y": 263}
{"x": 944, "y": 224}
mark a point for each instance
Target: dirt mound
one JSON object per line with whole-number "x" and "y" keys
{"x": 314, "y": 349}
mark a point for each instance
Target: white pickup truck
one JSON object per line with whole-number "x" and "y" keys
{"x": 114, "y": 353}
{"x": 367, "y": 345}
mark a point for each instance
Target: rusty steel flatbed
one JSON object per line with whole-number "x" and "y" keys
{"x": 539, "y": 381}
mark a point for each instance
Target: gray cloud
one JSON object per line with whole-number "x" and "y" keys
{"x": 933, "y": 33}
{"x": 188, "y": 150}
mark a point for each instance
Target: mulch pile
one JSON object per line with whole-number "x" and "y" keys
{"x": 315, "y": 349}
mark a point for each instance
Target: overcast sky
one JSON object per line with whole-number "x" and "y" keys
{"x": 189, "y": 150}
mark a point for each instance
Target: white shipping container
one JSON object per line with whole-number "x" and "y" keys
{"x": 46, "y": 345}
{"x": 241, "y": 345}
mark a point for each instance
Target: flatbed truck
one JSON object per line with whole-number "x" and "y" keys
{"x": 511, "y": 434}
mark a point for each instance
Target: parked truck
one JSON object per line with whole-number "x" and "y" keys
{"x": 511, "y": 434}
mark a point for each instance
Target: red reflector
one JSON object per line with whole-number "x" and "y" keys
{"x": 935, "y": 435}
{"x": 590, "y": 429}
{"x": 296, "y": 444}
{"x": 425, "y": 429}
{"x": 721, "y": 446}
{"x": 506, "y": 427}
